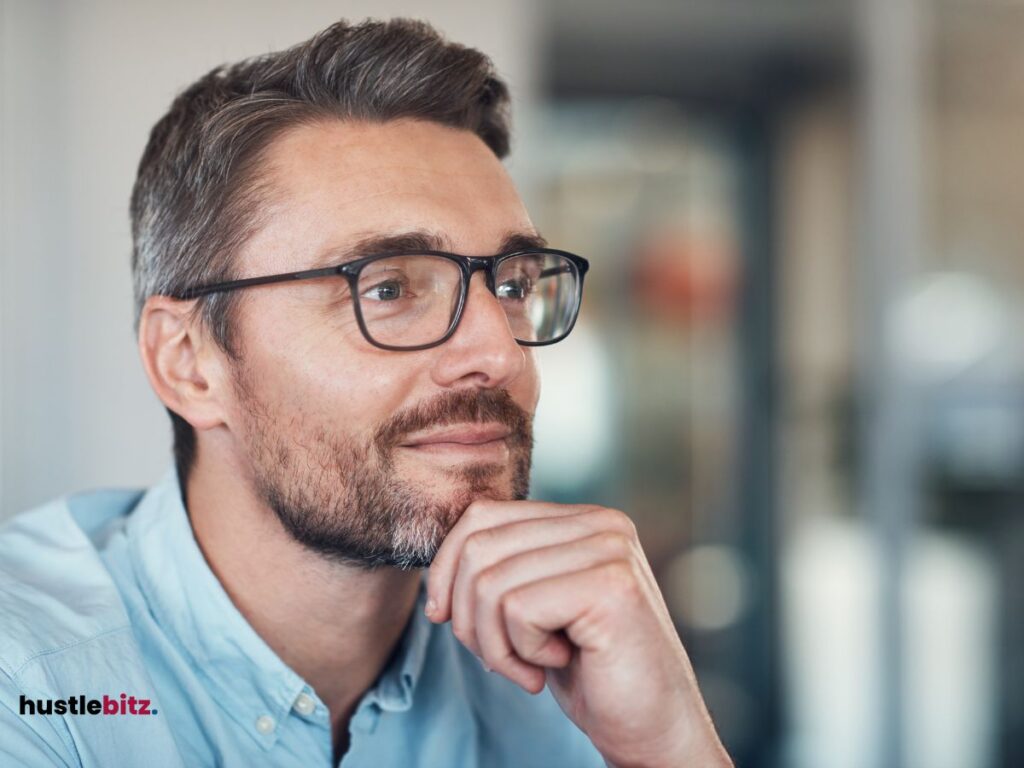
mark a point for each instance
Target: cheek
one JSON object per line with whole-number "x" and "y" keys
{"x": 351, "y": 396}
{"x": 324, "y": 376}
{"x": 319, "y": 373}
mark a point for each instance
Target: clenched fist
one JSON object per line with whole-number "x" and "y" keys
{"x": 564, "y": 595}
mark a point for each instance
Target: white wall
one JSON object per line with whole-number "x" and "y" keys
{"x": 81, "y": 84}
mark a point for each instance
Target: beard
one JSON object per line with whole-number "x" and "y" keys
{"x": 341, "y": 496}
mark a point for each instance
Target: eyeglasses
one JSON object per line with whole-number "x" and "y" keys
{"x": 414, "y": 300}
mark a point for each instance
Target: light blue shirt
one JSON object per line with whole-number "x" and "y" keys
{"x": 107, "y": 592}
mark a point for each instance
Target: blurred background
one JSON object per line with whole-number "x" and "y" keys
{"x": 799, "y": 367}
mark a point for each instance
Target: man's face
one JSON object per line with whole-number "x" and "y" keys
{"x": 369, "y": 455}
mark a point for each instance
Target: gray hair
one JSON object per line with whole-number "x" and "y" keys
{"x": 200, "y": 190}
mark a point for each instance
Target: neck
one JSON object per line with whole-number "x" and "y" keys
{"x": 335, "y": 625}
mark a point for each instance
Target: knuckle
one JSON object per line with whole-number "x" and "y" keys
{"x": 615, "y": 543}
{"x": 486, "y": 582}
{"x": 620, "y": 578}
{"x": 625, "y": 525}
{"x": 514, "y": 607}
{"x": 474, "y": 547}
{"x": 614, "y": 520}
{"x": 477, "y": 508}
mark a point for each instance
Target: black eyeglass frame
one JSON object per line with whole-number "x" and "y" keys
{"x": 468, "y": 265}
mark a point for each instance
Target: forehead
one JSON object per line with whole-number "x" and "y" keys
{"x": 334, "y": 183}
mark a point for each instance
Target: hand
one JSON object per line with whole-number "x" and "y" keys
{"x": 563, "y": 595}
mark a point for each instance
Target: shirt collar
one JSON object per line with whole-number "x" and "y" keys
{"x": 190, "y": 604}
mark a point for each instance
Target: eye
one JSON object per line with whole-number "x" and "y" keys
{"x": 517, "y": 289}
{"x": 386, "y": 290}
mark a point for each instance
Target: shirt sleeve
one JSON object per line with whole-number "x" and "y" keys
{"x": 27, "y": 740}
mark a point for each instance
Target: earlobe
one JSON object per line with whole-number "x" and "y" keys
{"x": 180, "y": 367}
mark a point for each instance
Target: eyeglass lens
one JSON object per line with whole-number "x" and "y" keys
{"x": 408, "y": 301}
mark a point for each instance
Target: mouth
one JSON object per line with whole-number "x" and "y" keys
{"x": 471, "y": 442}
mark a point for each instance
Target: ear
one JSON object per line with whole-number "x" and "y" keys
{"x": 184, "y": 369}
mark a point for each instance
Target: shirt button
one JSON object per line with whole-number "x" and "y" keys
{"x": 265, "y": 724}
{"x": 304, "y": 704}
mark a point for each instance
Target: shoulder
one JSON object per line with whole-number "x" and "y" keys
{"x": 55, "y": 591}
{"x": 31, "y": 741}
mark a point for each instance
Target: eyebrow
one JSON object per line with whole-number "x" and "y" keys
{"x": 417, "y": 240}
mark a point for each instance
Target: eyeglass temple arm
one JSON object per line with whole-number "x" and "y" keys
{"x": 231, "y": 285}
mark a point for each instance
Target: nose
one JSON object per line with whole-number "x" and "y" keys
{"x": 482, "y": 351}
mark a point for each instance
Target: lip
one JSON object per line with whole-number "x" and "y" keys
{"x": 460, "y": 435}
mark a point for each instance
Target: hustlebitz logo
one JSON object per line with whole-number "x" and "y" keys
{"x": 81, "y": 705}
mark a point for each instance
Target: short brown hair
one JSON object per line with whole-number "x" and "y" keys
{"x": 198, "y": 193}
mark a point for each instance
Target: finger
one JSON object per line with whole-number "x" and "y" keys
{"x": 600, "y": 595}
{"x": 479, "y": 595}
{"x": 485, "y": 548}
{"x": 480, "y": 515}
{"x": 529, "y": 566}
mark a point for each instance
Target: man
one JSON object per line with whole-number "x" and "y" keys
{"x": 351, "y": 395}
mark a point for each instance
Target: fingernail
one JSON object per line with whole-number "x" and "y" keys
{"x": 431, "y": 606}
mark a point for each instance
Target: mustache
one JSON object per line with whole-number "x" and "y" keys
{"x": 457, "y": 407}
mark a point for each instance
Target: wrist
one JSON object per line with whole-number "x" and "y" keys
{"x": 710, "y": 754}
{"x": 719, "y": 760}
